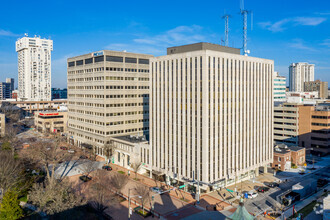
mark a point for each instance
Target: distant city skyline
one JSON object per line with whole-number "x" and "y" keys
{"x": 286, "y": 32}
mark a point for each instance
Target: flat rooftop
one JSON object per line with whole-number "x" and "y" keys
{"x": 202, "y": 46}
{"x": 131, "y": 138}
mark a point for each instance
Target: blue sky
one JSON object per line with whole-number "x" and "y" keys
{"x": 285, "y": 31}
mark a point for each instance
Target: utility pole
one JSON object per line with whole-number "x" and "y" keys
{"x": 129, "y": 205}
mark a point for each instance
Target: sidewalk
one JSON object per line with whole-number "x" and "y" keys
{"x": 206, "y": 201}
{"x": 302, "y": 204}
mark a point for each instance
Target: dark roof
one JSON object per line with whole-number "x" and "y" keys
{"x": 281, "y": 151}
{"x": 131, "y": 138}
{"x": 295, "y": 148}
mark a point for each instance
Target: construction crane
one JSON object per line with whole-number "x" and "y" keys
{"x": 244, "y": 14}
{"x": 226, "y": 17}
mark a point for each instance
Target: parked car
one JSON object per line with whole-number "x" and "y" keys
{"x": 71, "y": 151}
{"x": 252, "y": 195}
{"x": 271, "y": 184}
{"x": 156, "y": 190}
{"x": 63, "y": 148}
{"x": 108, "y": 168}
{"x": 85, "y": 178}
{"x": 83, "y": 157}
{"x": 262, "y": 189}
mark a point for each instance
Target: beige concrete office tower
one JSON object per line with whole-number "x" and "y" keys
{"x": 108, "y": 95}
{"x": 279, "y": 88}
{"x": 211, "y": 114}
{"x": 34, "y": 68}
{"x": 298, "y": 74}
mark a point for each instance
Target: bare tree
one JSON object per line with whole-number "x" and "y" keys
{"x": 47, "y": 155}
{"x": 118, "y": 181}
{"x": 144, "y": 195}
{"x": 54, "y": 197}
{"x": 101, "y": 196}
{"x": 11, "y": 172}
{"x": 136, "y": 167}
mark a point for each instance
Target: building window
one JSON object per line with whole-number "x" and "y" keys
{"x": 279, "y": 159}
{"x": 70, "y": 64}
{"x": 114, "y": 59}
{"x": 89, "y": 60}
{"x": 79, "y": 62}
{"x": 98, "y": 59}
{"x": 118, "y": 157}
{"x": 130, "y": 60}
{"x": 143, "y": 61}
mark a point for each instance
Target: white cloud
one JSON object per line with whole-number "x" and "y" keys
{"x": 326, "y": 42}
{"x": 7, "y": 33}
{"x": 283, "y": 24}
{"x": 177, "y": 36}
{"x": 300, "y": 44}
{"x": 309, "y": 21}
{"x": 156, "y": 44}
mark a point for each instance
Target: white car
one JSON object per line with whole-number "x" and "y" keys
{"x": 252, "y": 195}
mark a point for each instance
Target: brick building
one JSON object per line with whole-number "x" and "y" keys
{"x": 285, "y": 157}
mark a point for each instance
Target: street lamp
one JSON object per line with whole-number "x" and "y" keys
{"x": 129, "y": 202}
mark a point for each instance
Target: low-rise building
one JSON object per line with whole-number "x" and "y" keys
{"x": 298, "y": 155}
{"x": 131, "y": 149}
{"x": 282, "y": 158}
{"x": 51, "y": 121}
{"x": 2, "y": 125}
{"x": 30, "y": 107}
{"x": 285, "y": 157}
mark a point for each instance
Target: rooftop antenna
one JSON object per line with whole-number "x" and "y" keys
{"x": 226, "y": 17}
{"x": 244, "y": 14}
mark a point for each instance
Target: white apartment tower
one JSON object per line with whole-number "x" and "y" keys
{"x": 211, "y": 114}
{"x": 299, "y": 73}
{"x": 279, "y": 88}
{"x": 34, "y": 68}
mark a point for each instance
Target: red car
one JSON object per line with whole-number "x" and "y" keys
{"x": 63, "y": 148}
{"x": 262, "y": 189}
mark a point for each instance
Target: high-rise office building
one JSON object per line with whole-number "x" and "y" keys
{"x": 6, "y": 89}
{"x": 108, "y": 95}
{"x": 211, "y": 113}
{"x": 318, "y": 86}
{"x": 34, "y": 68}
{"x": 298, "y": 74}
{"x": 279, "y": 88}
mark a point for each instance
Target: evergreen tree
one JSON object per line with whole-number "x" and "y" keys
{"x": 10, "y": 208}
